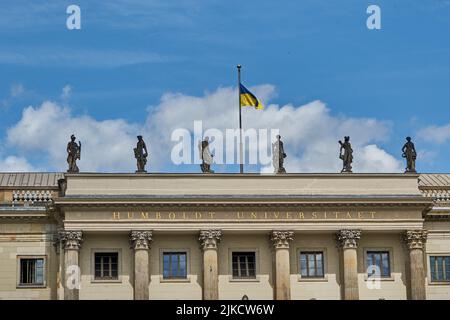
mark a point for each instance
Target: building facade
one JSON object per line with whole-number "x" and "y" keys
{"x": 224, "y": 236}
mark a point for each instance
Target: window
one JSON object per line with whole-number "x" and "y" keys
{"x": 378, "y": 260}
{"x": 311, "y": 264}
{"x": 174, "y": 265}
{"x": 106, "y": 266}
{"x": 440, "y": 268}
{"x": 244, "y": 265}
{"x": 32, "y": 272}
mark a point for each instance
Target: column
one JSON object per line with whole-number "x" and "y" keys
{"x": 348, "y": 244}
{"x": 415, "y": 241}
{"x": 71, "y": 242}
{"x": 209, "y": 239}
{"x": 140, "y": 243}
{"x": 280, "y": 241}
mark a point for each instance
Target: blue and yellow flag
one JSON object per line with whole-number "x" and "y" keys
{"x": 248, "y": 99}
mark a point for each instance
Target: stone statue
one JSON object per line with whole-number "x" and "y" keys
{"x": 409, "y": 152}
{"x": 278, "y": 155}
{"x": 73, "y": 154}
{"x": 205, "y": 155}
{"x": 346, "y": 155}
{"x": 141, "y": 154}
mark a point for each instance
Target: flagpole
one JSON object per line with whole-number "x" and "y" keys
{"x": 241, "y": 162}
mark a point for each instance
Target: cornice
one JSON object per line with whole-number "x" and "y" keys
{"x": 240, "y": 176}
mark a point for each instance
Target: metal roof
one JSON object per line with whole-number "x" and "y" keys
{"x": 30, "y": 179}
{"x": 434, "y": 180}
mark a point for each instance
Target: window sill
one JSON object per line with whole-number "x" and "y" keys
{"x": 187, "y": 280}
{"x": 231, "y": 279}
{"x": 303, "y": 279}
{"x": 31, "y": 286}
{"x": 439, "y": 283}
{"x": 106, "y": 281}
{"x": 391, "y": 278}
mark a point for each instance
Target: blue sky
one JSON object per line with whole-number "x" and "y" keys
{"x": 129, "y": 55}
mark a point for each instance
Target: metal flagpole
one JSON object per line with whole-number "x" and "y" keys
{"x": 241, "y": 152}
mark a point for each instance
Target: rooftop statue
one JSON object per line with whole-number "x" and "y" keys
{"x": 141, "y": 154}
{"x": 278, "y": 155}
{"x": 409, "y": 152}
{"x": 73, "y": 154}
{"x": 205, "y": 155}
{"x": 346, "y": 155}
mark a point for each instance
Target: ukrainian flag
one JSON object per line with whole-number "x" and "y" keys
{"x": 248, "y": 99}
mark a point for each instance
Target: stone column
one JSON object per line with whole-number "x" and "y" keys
{"x": 209, "y": 239}
{"x": 71, "y": 242}
{"x": 140, "y": 243}
{"x": 415, "y": 241}
{"x": 280, "y": 241}
{"x": 348, "y": 243}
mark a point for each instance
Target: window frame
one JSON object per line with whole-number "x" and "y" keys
{"x": 308, "y": 253}
{"x": 390, "y": 252}
{"x": 430, "y": 280}
{"x": 161, "y": 265}
{"x": 232, "y": 278}
{"x": 119, "y": 265}
{"x": 324, "y": 251}
{"x": 20, "y": 285}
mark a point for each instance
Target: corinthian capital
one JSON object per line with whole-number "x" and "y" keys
{"x": 348, "y": 239}
{"x": 209, "y": 239}
{"x": 71, "y": 240}
{"x": 415, "y": 239}
{"x": 140, "y": 239}
{"x": 281, "y": 239}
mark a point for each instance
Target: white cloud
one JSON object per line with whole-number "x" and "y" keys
{"x": 310, "y": 133}
{"x": 435, "y": 134}
{"x": 66, "y": 92}
{"x": 106, "y": 145}
{"x": 15, "y": 164}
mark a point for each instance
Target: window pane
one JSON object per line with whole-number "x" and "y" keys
{"x": 385, "y": 271}
{"x": 433, "y": 268}
{"x": 106, "y": 265}
{"x": 303, "y": 271}
{"x": 440, "y": 268}
{"x": 244, "y": 264}
{"x": 447, "y": 268}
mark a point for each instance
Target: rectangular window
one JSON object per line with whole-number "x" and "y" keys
{"x": 440, "y": 268}
{"x": 244, "y": 265}
{"x": 311, "y": 264}
{"x": 106, "y": 266}
{"x": 32, "y": 272}
{"x": 174, "y": 265}
{"x": 378, "y": 261}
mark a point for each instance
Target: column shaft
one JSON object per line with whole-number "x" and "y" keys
{"x": 280, "y": 240}
{"x": 348, "y": 243}
{"x": 71, "y": 242}
{"x": 415, "y": 241}
{"x": 140, "y": 242}
{"x": 209, "y": 240}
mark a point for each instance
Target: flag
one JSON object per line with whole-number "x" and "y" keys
{"x": 248, "y": 99}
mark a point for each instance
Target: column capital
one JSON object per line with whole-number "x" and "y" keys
{"x": 415, "y": 239}
{"x": 71, "y": 240}
{"x": 209, "y": 239}
{"x": 280, "y": 239}
{"x": 140, "y": 239}
{"x": 348, "y": 238}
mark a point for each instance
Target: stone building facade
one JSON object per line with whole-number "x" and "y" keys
{"x": 224, "y": 236}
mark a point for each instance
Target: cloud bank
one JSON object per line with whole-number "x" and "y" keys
{"x": 310, "y": 133}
